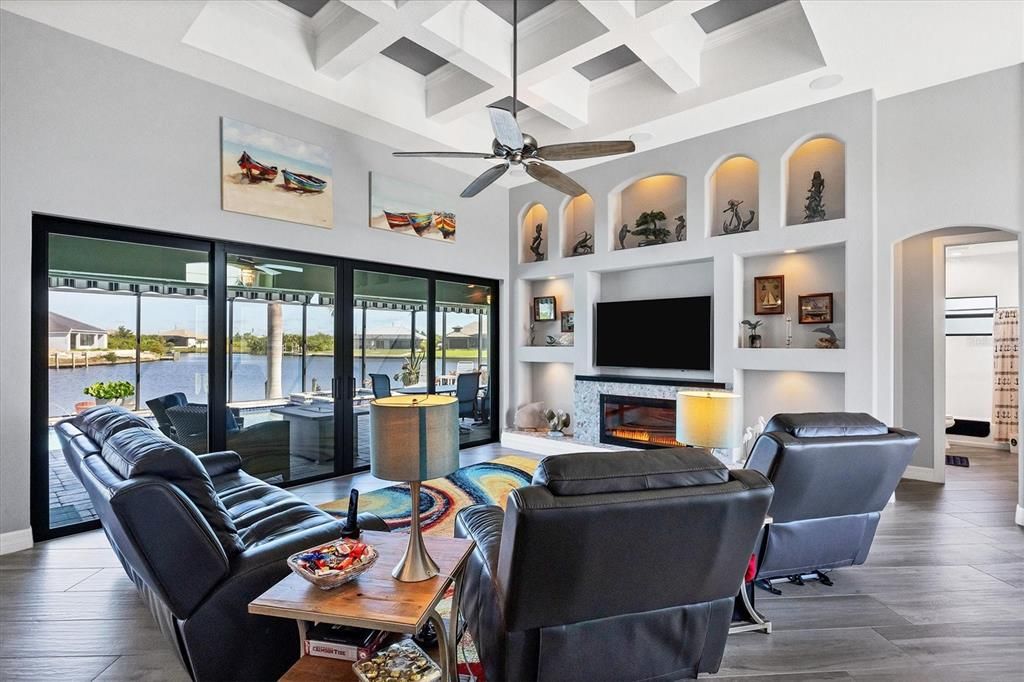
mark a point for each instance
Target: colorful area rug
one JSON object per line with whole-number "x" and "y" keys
{"x": 440, "y": 500}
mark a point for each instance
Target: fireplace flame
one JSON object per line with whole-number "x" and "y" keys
{"x": 644, "y": 436}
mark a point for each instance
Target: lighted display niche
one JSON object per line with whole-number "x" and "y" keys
{"x": 652, "y": 211}
{"x": 578, "y": 227}
{"x": 816, "y": 182}
{"x": 535, "y": 245}
{"x": 734, "y": 196}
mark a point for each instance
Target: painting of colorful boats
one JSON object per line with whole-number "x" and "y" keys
{"x": 274, "y": 176}
{"x": 406, "y": 208}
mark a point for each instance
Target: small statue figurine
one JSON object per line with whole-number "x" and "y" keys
{"x": 585, "y": 244}
{"x": 814, "y": 209}
{"x": 351, "y": 528}
{"x": 680, "y": 228}
{"x": 558, "y": 422}
{"x": 830, "y": 340}
{"x": 735, "y": 223}
{"x": 538, "y": 255}
{"x": 623, "y": 233}
{"x": 533, "y": 333}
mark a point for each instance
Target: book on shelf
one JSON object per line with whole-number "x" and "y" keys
{"x": 342, "y": 642}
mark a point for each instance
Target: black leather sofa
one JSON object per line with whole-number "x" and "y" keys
{"x": 199, "y": 537}
{"x": 611, "y": 566}
{"x": 833, "y": 473}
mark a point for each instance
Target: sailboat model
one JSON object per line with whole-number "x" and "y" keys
{"x": 770, "y": 301}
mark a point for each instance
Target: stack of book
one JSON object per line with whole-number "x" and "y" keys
{"x": 343, "y": 642}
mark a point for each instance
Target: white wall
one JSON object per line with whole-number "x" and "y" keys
{"x": 948, "y": 156}
{"x": 768, "y": 393}
{"x": 89, "y": 132}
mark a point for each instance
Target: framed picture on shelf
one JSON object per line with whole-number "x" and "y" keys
{"x": 770, "y": 295}
{"x": 815, "y": 308}
{"x": 568, "y": 321}
{"x": 544, "y": 309}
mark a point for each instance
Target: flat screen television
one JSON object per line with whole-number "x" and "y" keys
{"x": 665, "y": 333}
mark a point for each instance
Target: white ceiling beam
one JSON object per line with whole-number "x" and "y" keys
{"x": 564, "y": 97}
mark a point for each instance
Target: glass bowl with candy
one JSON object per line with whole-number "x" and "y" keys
{"x": 334, "y": 563}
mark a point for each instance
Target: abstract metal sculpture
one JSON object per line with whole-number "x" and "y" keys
{"x": 535, "y": 245}
{"x": 814, "y": 209}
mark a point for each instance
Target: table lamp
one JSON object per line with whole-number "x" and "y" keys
{"x": 709, "y": 419}
{"x": 413, "y": 439}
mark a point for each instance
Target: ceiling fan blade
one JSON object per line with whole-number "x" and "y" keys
{"x": 483, "y": 180}
{"x": 449, "y": 155}
{"x": 281, "y": 266}
{"x": 584, "y": 150}
{"x": 506, "y": 128}
{"x": 269, "y": 271}
{"x": 551, "y": 177}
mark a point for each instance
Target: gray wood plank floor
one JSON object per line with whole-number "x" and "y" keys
{"x": 940, "y": 598}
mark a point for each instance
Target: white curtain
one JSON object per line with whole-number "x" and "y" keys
{"x": 1005, "y": 389}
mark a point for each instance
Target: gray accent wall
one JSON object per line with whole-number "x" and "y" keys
{"x": 89, "y": 132}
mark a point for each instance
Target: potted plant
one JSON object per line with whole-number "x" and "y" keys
{"x": 753, "y": 336}
{"x": 409, "y": 375}
{"x": 113, "y": 392}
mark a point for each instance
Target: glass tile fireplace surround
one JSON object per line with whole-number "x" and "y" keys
{"x": 638, "y": 422}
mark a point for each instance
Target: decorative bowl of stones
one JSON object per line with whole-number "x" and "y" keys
{"x": 333, "y": 564}
{"x": 400, "y": 662}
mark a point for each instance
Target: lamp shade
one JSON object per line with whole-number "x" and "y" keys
{"x": 414, "y": 438}
{"x": 709, "y": 419}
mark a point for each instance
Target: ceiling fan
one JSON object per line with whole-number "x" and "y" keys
{"x": 515, "y": 147}
{"x": 268, "y": 268}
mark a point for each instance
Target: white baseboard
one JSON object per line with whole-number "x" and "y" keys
{"x": 982, "y": 444}
{"x": 923, "y": 474}
{"x": 17, "y": 540}
{"x": 1019, "y": 516}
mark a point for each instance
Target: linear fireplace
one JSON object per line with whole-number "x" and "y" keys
{"x": 638, "y": 422}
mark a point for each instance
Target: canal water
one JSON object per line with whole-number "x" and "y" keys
{"x": 188, "y": 375}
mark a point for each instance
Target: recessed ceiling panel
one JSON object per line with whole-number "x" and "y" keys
{"x": 503, "y": 8}
{"x": 415, "y": 56}
{"x": 506, "y": 104}
{"x": 307, "y": 7}
{"x": 725, "y": 12}
{"x": 609, "y": 62}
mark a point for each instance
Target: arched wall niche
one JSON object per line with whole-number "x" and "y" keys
{"x": 534, "y": 216}
{"x": 733, "y": 191}
{"x": 650, "y": 211}
{"x": 815, "y": 176}
{"x": 577, "y": 219}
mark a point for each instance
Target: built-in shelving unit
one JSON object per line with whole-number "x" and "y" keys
{"x": 768, "y": 166}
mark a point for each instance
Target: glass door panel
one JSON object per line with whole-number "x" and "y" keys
{"x": 280, "y": 321}
{"x": 121, "y": 315}
{"x": 463, "y": 324}
{"x": 389, "y": 345}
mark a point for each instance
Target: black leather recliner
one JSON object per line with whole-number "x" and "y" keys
{"x": 833, "y": 474}
{"x": 199, "y": 537}
{"x": 611, "y": 566}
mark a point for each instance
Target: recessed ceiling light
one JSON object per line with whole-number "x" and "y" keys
{"x": 789, "y": 251}
{"x": 825, "y": 82}
{"x": 551, "y": 277}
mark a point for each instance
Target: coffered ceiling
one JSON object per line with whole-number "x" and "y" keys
{"x": 418, "y": 74}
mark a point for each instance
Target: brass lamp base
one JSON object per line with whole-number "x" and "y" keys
{"x": 416, "y": 564}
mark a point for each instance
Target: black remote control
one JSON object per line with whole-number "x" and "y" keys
{"x": 351, "y": 528}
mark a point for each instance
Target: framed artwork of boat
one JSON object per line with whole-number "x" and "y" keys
{"x": 815, "y": 308}
{"x": 406, "y": 208}
{"x": 770, "y": 295}
{"x": 274, "y": 176}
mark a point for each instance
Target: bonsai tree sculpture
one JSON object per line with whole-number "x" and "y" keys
{"x": 754, "y": 337}
{"x": 648, "y": 228}
{"x": 558, "y": 421}
{"x": 110, "y": 391}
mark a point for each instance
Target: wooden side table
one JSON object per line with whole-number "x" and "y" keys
{"x": 377, "y": 601}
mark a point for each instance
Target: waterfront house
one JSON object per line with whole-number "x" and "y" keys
{"x": 66, "y": 333}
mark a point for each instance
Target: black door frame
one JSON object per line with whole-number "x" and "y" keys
{"x": 44, "y": 225}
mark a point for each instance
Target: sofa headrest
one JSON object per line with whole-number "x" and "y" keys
{"x": 103, "y": 421}
{"x": 826, "y": 424}
{"x": 144, "y": 452}
{"x": 586, "y": 473}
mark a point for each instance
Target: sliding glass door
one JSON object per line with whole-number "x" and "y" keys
{"x": 225, "y": 346}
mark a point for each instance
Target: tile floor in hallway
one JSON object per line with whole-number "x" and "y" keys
{"x": 940, "y": 598}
